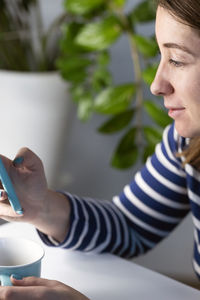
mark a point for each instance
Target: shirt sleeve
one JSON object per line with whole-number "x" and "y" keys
{"x": 146, "y": 211}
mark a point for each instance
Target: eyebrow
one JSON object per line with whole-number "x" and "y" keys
{"x": 180, "y": 47}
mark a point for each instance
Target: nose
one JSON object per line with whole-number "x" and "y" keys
{"x": 161, "y": 85}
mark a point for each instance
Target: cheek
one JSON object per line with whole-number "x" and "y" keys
{"x": 188, "y": 89}
{"x": 192, "y": 93}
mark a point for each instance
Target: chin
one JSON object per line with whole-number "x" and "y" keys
{"x": 187, "y": 131}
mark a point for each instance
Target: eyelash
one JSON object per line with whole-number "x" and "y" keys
{"x": 173, "y": 62}
{"x": 176, "y": 63}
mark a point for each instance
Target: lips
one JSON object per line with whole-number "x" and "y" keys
{"x": 175, "y": 112}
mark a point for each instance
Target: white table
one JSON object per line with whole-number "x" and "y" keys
{"x": 103, "y": 277}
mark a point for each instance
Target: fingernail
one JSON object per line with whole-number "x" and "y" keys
{"x": 20, "y": 212}
{"x": 18, "y": 160}
{"x": 17, "y": 276}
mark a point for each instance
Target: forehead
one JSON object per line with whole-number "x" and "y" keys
{"x": 170, "y": 30}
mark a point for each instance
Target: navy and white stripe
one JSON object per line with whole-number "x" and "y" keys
{"x": 146, "y": 211}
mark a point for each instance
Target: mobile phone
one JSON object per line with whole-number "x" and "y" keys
{"x": 8, "y": 187}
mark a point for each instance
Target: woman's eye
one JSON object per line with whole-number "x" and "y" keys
{"x": 176, "y": 63}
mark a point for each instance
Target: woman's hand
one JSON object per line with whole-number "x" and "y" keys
{"x": 47, "y": 210}
{"x": 28, "y": 178}
{"x": 33, "y": 288}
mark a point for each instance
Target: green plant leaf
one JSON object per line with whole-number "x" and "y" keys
{"x": 126, "y": 153}
{"x": 114, "y": 100}
{"x": 126, "y": 160}
{"x": 101, "y": 79}
{"x": 73, "y": 68}
{"x": 157, "y": 113}
{"x": 73, "y": 64}
{"x": 118, "y": 3}
{"x": 85, "y": 105}
{"x": 81, "y": 7}
{"x": 67, "y": 43}
{"x": 148, "y": 151}
{"x": 74, "y": 77}
{"x": 99, "y": 35}
{"x": 70, "y": 30}
{"x": 143, "y": 12}
{"x": 152, "y": 135}
{"x": 77, "y": 92}
{"x": 147, "y": 46}
{"x": 117, "y": 122}
{"x": 149, "y": 74}
{"x": 103, "y": 58}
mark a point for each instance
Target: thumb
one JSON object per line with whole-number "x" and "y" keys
{"x": 29, "y": 281}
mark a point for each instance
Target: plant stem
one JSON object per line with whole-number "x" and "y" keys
{"x": 139, "y": 94}
{"x": 40, "y": 47}
{"x": 138, "y": 75}
{"x": 52, "y": 34}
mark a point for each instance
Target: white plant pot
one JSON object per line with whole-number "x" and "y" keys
{"x": 35, "y": 108}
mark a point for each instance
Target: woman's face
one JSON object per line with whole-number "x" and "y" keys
{"x": 178, "y": 75}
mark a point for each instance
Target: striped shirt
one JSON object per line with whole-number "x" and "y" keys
{"x": 147, "y": 210}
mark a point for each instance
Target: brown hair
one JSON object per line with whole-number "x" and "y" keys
{"x": 187, "y": 12}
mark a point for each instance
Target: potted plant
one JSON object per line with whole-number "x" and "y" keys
{"x": 34, "y": 99}
{"x": 84, "y": 62}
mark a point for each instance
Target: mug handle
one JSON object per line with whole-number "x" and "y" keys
{"x": 5, "y": 280}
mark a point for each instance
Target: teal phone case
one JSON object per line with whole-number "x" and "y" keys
{"x": 8, "y": 186}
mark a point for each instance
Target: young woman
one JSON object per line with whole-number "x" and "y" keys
{"x": 160, "y": 195}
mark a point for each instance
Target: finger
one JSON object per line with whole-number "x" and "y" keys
{"x": 7, "y": 211}
{"x": 19, "y": 293}
{"x": 3, "y": 195}
{"x": 27, "y": 158}
{"x": 33, "y": 281}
